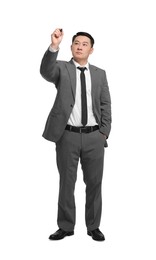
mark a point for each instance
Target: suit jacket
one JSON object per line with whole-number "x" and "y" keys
{"x": 63, "y": 75}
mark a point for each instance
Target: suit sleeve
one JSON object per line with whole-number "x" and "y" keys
{"x": 105, "y": 103}
{"x": 48, "y": 68}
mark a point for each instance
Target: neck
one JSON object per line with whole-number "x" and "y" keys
{"x": 81, "y": 62}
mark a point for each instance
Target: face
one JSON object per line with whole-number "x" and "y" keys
{"x": 81, "y": 49}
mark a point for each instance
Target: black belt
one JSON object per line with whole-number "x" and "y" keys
{"x": 81, "y": 129}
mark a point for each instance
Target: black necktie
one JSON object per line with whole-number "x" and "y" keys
{"x": 83, "y": 96}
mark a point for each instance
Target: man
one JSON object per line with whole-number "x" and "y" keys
{"x": 79, "y": 123}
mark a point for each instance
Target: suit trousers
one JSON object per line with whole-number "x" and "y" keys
{"x": 89, "y": 148}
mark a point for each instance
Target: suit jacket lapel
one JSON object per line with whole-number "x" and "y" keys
{"x": 72, "y": 74}
{"x": 93, "y": 75}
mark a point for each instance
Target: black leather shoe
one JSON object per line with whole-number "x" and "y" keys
{"x": 96, "y": 235}
{"x": 60, "y": 234}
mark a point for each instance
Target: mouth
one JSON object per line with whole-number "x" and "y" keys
{"x": 78, "y": 52}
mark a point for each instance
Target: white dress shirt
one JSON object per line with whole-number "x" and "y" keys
{"x": 75, "y": 116}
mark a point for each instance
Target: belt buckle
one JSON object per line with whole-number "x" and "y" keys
{"x": 81, "y": 129}
{"x": 92, "y": 128}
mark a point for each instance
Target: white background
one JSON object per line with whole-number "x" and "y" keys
{"x": 125, "y": 46}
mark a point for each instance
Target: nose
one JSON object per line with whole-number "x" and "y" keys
{"x": 79, "y": 47}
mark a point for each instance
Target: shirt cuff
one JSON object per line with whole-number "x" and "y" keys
{"x": 52, "y": 50}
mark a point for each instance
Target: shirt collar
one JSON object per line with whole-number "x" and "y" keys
{"x": 78, "y": 65}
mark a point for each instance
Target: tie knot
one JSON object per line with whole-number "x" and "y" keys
{"x": 82, "y": 68}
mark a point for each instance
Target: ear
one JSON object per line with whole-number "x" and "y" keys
{"x": 91, "y": 50}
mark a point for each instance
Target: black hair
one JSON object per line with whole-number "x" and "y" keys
{"x": 84, "y": 34}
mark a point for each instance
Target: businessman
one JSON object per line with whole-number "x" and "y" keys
{"x": 79, "y": 123}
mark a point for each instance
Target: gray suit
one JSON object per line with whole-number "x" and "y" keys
{"x": 69, "y": 146}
